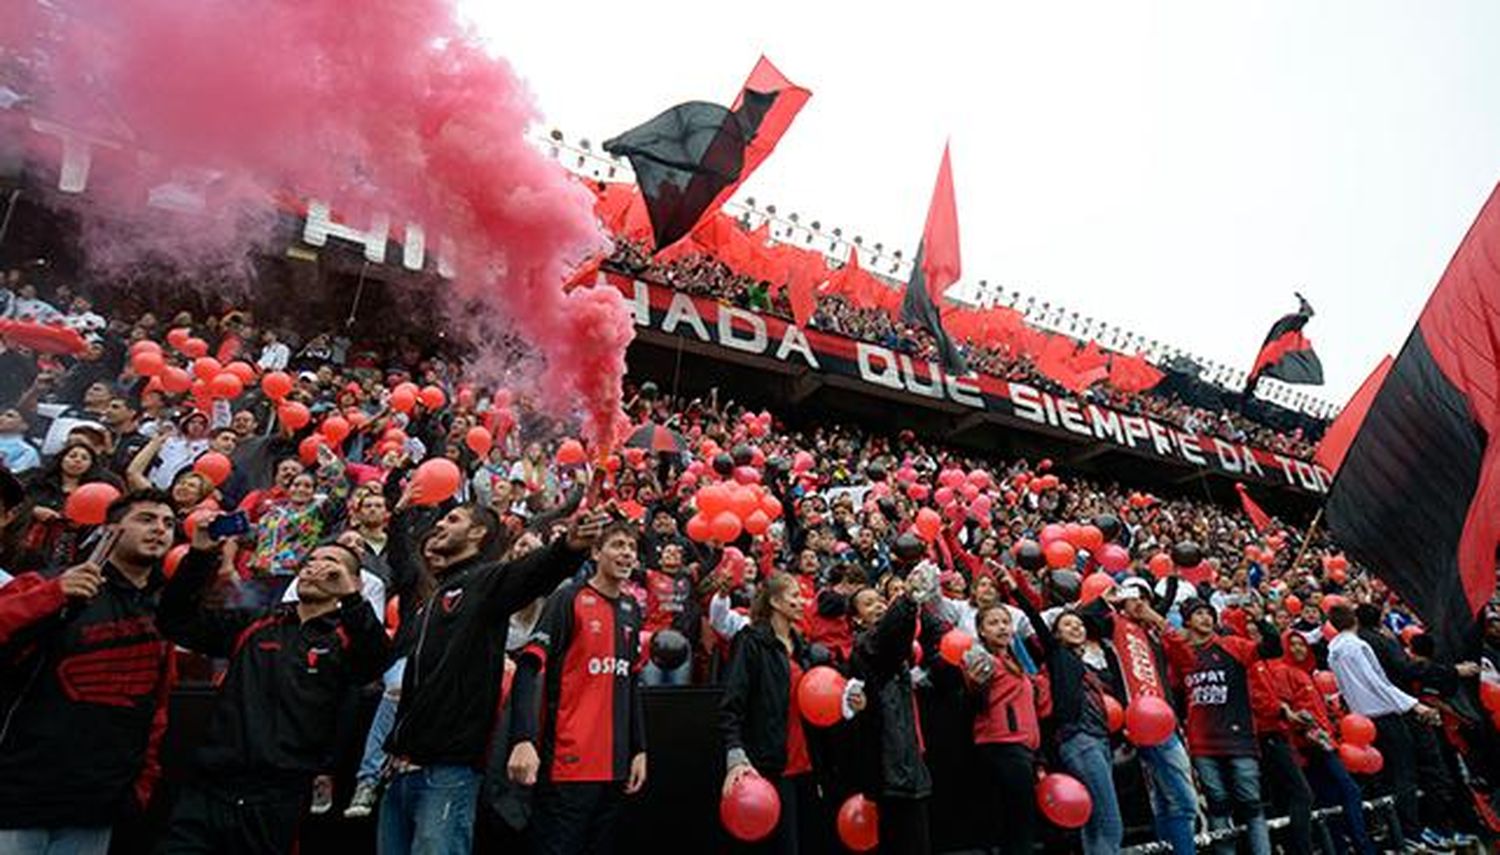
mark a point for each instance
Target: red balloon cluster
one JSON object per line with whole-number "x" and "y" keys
{"x": 728, "y": 509}
{"x": 1361, "y": 759}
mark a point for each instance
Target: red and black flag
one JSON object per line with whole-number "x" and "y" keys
{"x": 1287, "y": 355}
{"x": 689, "y": 159}
{"x": 936, "y": 267}
{"x": 1417, "y": 498}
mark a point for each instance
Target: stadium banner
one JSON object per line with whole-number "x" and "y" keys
{"x": 674, "y": 313}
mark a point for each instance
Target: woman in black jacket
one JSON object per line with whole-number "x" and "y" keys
{"x": 758, "y": 715}
{"x": 892, "y": 773}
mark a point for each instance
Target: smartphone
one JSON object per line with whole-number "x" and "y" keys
{"x": 229, "y": 525}
{"x": 104, "y": 546}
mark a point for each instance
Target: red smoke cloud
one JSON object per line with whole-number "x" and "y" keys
{"x": 374, "y": 105}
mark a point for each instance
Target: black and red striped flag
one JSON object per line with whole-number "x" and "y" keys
{"x": 1417, "y": 498}
{"x": 936, "y": 267}
{"x": 691, "y": 158}
{"x": 1286, "y": 354}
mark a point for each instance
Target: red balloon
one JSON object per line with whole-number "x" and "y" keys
{"x": 751, "y": 809}
{"x": 570, "y": 453}
{"x": 1060, "y": 553}
{"x": 195, "y": 348}
{"x": 1052, "y": 532}
{"x": 148, "y": 363}
{"x": 87, "y": 504}
{"x": 1093, "y": 587}
{"x": 276, "y": 385}
{"x": 173, "y": 558}
{"x": 1361, "y": 759}
{"x": 943, "y": 496}
{"x": 712, "y": 500}
{"x": 1293, "y": 604}
{"x": 746, "y": 475}
{"x": 1356, "y": 729}
{"x": 479, "y": 440}
{"x": 206, "y": 368}
{"x": 213, "y": 466}
{"x": 225, "y": 385}
{"x": 726, "y": 527}
{"x": 1114, "y": 557}
{"x": 1160, "y": 565}
{"x": 1114, "y": 714}
{"x": 294, "y": 415}
{"x": 699, "y": 528}
{"x": 742, "y": 501}
{"x": 241, "y": 370}
{"x": 1325, "y": 682}
{"x": 402, "y": 401}
{"x": 178, "y": 336}
{"x": 929, "y": 524}
{"x": 771, "y": 505}
{"x": 820, "y": 696}
{"x": 802, "y": 461}
{"x": 432, "y": 397}
{"x": 1090, "y": 538}
{"x": 336, "y": 428}
{"x": 859, "y": 824}
{"x": 757, "y": 523}
{"x": 1064, "y": 800}
{"x": 175, "y": 380}
{"x": 435, "y": 481}
{"x": 307, "y": 449}
{"x": 954, "y": 644}
{"x": 1149, "y": 720}
{"x": 197, "y": 518}
{"x": 917, "y": 492}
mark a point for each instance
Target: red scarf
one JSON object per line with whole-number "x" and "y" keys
{"x": 1137, "y": 659}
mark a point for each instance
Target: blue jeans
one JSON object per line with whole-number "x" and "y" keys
{"x": 1088, "y": 759}
{"x": 1174, "y": 802}
{"x": 55, "y": 841}
{"x": 1231, "y": 783}
{"x": 1333, "y": 786}
{"x": 429, "y": 812}
{"x": 380, "y": 727}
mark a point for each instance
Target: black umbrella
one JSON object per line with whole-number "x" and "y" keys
{"x": 655, "y": 437}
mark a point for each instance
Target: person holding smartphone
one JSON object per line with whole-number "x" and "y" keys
{"x": 275, "y": 722}
{"x": 84, "y": 677}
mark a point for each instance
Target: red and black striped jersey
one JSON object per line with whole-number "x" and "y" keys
{"x": 1215, "y": 676}
{"x": 587, "y": 647}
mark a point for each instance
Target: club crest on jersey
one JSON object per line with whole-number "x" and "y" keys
{"x": 586, "y": 598}
{"x": 452, "y": 599}
{"x": 595, "y": 626}
{"x": 313, "y": 654}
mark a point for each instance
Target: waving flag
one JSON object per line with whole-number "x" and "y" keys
{"x": 937, "y": 266}
{"x": 1417, "y": 499}
{"x": 1286, "y": 354}
{"x": 692, "y": 157}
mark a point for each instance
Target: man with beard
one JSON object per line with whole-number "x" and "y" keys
{"x": 274, "y": 725}
{"x": 449, "y": 691}
{"x": 84, "y": 677}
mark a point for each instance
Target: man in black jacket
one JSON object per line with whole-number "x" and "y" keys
{"x": 274, "y": 725}
{"x": 451, "y": 686}
{"x": 84, "y": 677}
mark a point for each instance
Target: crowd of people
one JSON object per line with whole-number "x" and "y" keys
{"x": 701, "y": 274}
{"x": 905, "y": 634}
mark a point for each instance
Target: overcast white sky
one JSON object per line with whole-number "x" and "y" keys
{"x": 1178, "y": 168}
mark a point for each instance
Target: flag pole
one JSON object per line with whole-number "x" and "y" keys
{"x": 1307, "y": 538}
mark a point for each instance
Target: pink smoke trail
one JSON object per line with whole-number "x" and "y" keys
{"x": 375, "y": 105}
